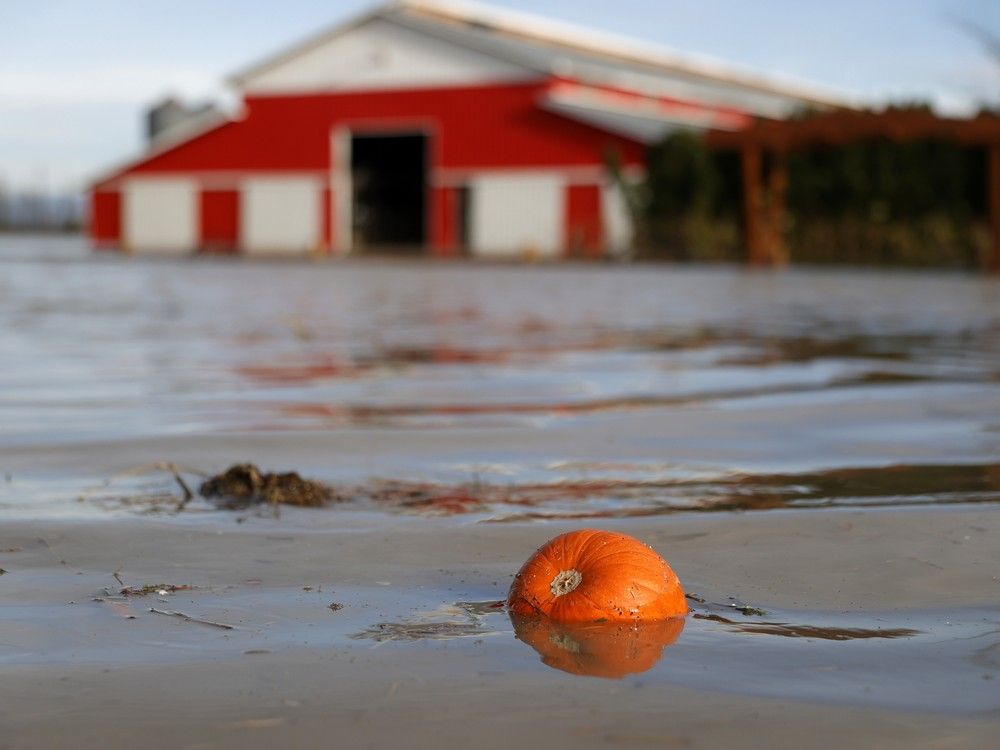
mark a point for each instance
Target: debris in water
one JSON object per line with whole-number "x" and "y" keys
{"x": 244, "y": 484}
{"x": 809, "y": 631}
{"x": 154, "y": 499}
{"x": 155, "y": 588}
{"x": 335, "y": 606}
{"x": 750, "y": 611}
{"x": 189, "y": 618}
{"x": 477, "y": 609}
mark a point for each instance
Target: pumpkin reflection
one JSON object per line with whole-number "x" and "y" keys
{"x": 598, "y": 649}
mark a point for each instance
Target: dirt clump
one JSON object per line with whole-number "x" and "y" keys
{"x": 243, "y": 485}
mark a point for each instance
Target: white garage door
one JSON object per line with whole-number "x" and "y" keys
{"x": 516, "y": 215}
{"x": 161, "y": 215}
{"x": 280, "y": 216}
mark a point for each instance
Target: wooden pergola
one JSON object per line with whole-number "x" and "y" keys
{"x": 769, "y": 141}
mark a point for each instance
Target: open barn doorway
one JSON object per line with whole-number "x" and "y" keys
{"x": 389, "y": 192}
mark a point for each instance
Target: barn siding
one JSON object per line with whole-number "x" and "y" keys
{"x": 220, "y": 220}
{"x": 444, "y": 230}
{"x": 478, "y": 127}
{"x": 584, "y": 231}
{"x": 105, "y": 218}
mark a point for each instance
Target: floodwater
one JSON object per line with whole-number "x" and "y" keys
{"x": 755, "y": 427}
{"x": 552, "y": 390}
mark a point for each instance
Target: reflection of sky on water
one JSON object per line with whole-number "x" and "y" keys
{"x": 457, "y": 370}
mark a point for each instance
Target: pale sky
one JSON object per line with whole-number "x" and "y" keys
{"x": 76, "y": 75}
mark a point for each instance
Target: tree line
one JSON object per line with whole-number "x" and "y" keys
{"x": 874, "y": 202}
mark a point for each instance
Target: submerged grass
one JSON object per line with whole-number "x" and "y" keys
{"x": 244, "y": 486}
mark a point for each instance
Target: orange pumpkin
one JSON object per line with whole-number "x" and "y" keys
{"x": 592, "y": 576}
{"x": 598, "y": 649}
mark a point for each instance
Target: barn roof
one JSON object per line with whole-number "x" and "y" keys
{"x": 568, "y": 50}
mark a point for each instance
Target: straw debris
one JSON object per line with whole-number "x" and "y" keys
{"x": 242, "y": 485}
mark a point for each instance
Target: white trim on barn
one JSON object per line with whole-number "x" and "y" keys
{"x": 587, "y": 174}
{"x": 342, "y": 191}
{"x": 160, "y": 215}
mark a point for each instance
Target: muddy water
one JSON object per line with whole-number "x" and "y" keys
{"x": 569, "y": 390}
{"x": 467, "y": 413}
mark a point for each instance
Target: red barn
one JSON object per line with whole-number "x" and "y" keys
{"x": 426, "y": 126}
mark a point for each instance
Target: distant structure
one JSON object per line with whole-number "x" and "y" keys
{"x": 170, "y": 119}
{"x": 425, "y": 126}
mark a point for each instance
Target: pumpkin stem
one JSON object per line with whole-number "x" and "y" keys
{"x": 565, "y": 581}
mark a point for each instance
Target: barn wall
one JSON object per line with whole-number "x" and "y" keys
{"x": 584, "y": 226}
{"x": 105, "y": 218}
{"x": 445, "y": 224}
{"x": 517, "y": 215}
{"x": 281, "y": 216}
{"x": 484, "y": 126}
{"x": 220, "y": 220}
{"x": 473, "y": 130}
{"x": 160, "y": 214}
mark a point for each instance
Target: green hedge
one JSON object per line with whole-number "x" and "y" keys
{"x": 872, "y": 202}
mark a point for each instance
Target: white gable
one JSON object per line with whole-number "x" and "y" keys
{"x": 379, "y": 54}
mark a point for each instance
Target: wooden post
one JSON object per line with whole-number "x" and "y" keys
{"x": 753, "y": 229}
{"x": 992, "y": 260}
{"x": 777, "y": 187}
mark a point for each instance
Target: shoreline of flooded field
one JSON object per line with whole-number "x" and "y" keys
{"x": 814, "y": 451}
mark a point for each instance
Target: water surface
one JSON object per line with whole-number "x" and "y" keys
{"x": 816, "y": 451}
{"x": 564, "y": 389}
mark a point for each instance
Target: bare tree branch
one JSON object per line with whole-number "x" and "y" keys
{"x": 989, "y": 40}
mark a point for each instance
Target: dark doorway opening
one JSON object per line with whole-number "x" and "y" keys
{"x": 389, "y": 178}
